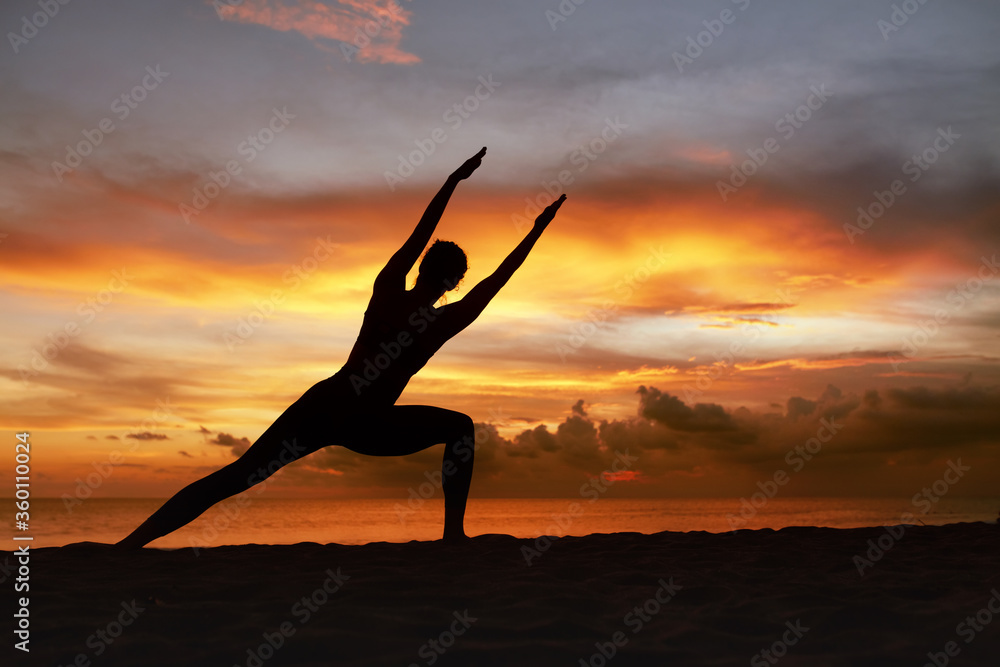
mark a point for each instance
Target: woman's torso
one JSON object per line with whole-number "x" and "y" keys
{"x": 398, "y": 336}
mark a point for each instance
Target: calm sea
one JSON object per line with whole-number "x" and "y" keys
{"x": 274, "y": 521}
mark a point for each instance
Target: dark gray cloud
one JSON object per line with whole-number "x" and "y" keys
{"x": 147, "y": 435}
{"x": 236, "y": 445}
{"x": 673, "y": 413}
{"x": 822, "y": 439}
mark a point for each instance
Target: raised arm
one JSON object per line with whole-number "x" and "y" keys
{"x": 403, "y": 260}
{"x": 464, "y": 313}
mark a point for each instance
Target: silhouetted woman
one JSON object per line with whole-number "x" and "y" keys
{"x": 356, "y": 407}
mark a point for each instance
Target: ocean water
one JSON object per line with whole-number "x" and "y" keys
{"x": 276, "y": 521}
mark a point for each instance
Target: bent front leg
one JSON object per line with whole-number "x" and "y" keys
{"x": 406, "y": 429}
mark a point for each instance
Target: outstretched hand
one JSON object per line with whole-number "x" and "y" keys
{"x": 470, "y": 165}
{"x": 543, "y": 220}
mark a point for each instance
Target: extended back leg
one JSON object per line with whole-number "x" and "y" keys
{"x": 262, "y": 460}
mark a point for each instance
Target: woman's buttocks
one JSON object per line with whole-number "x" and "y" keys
{"x": 335, "y": 388}
{"x": 347, "y": 390}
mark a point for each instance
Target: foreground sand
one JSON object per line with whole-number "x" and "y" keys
{"x": 664, "y": 599}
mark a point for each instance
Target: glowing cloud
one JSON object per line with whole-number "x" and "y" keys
{"x": 369, "y": 31}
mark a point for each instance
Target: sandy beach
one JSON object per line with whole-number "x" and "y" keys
{"x": 794, "y": 596}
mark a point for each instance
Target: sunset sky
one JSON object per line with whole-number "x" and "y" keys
{"x": 195, "y": 199}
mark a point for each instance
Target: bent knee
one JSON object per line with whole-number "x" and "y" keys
{"x": 461, "y": 431}
{"x": 463, "y": 424}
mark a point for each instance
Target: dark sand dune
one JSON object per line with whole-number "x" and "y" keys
{"x": 702, "y": 599}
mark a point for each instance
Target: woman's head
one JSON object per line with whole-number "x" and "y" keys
{"x": 443, "y": 266}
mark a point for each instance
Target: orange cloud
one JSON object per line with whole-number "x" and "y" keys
{"x": 370, "y": 31}
{"x": 706, "y": 155}
{"x": 842, "y": 361}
